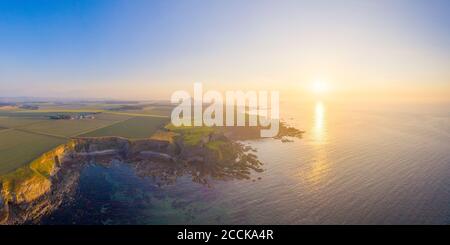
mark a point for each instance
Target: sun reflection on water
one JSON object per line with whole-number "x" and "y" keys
{"x": 319, "y": 129}
{"x": 320, "y": 165}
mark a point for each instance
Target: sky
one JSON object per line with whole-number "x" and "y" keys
{"x": 148, "y": 49}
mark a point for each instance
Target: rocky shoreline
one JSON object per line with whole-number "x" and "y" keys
{"x": 34, "y": 191}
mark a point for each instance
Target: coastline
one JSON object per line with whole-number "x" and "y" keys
{"x": 32, "y": 192}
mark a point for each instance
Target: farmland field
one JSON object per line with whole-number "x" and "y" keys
{"x": 29, "y": 114}
{"x": 11, "y": 122}
{"x": 111, "y": 117}
{"x": 26, "y": 135}
{"x": 156, "y": 111}
{"x": 70, "y": 128}
{"x": 20, "y": 148}
{"x": 65, "y": 128}
{"x": 133, "y": 128}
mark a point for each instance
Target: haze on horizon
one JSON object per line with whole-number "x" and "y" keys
{"x": 389, "y": 49}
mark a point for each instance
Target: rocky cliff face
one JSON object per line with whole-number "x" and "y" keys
{"x": 31, "y": 186}
{"x": 34, "y": 191}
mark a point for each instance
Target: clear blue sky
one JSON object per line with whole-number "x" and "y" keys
{"x": 145, "y": 49}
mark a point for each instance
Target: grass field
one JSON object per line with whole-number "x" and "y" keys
{"x": 191, "y": 135}
{"x": 156, "y": 111}
{"x": 70, "y": 128}
{"x": 27, "y": 134}
{"x": 29, "y": 114}
{"x": 24, "y": 136}
{"x": 111, "y": 117}
{"x": 65, "y": 128}
{"x": 11, "y": 122}
{"x": 20, "y": 148}
{"x": 133, "y": 128}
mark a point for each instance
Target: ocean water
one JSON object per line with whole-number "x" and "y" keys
{"x": 366, "y": 165}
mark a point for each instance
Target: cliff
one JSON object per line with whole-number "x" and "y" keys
{"x": 34, "y": 191}
{"x": 31, "y": 186}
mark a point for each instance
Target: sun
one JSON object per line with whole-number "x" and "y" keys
{"x": 320, "y": 87}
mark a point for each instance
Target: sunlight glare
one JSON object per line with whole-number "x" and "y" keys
{"x": 320, "y": 87}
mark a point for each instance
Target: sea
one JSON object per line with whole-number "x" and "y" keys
{"x": 355, "y": 164}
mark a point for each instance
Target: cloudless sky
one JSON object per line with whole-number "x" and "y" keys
{"x": 147, "y": 49}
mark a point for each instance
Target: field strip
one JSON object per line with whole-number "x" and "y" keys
{"x": 24, "y": 125}
{"x": 135, "y": 114}
{"x": 91, "y": 130}
{"x": 19, "y": 128}
{"x": 40, "y": 133}
{"x": 29, "y": 124}
{"x": 60, "y": 111}
{"x": 99, "y": 111}
{"x": 6, "y": 129}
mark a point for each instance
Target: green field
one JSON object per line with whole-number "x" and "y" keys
{"x": 70, "y": 128}
{"x": 111, "y": 117}
{"x": 191, "y": 135}
{"x": 20, "y": 148}
{"x": 133, "y": 128}
{"x": 155, "y": 111}
{"x": 38, "y": 114}
{"x": 65, "y": 128}
{"x": 27, "y": 134}
{"x": 12, "y": 122}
